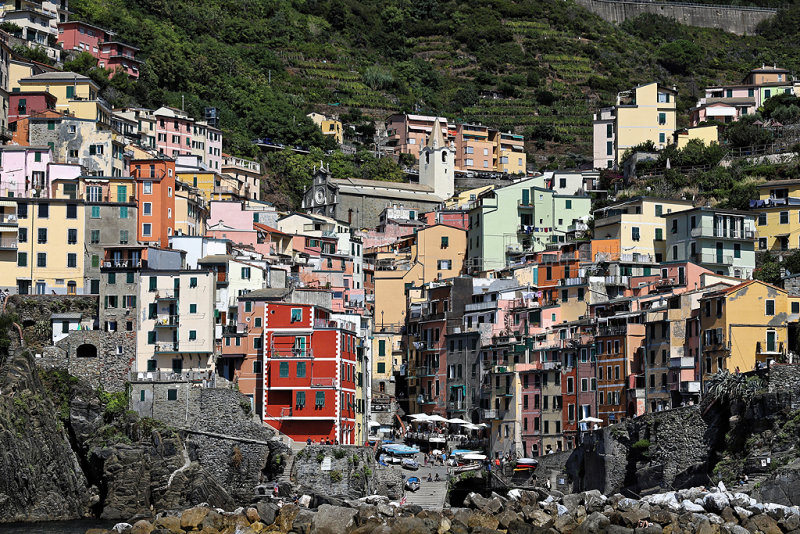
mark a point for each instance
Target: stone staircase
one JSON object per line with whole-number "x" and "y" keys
{"x": 430, "y": 496}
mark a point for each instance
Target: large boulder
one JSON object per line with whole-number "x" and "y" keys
{"x": 716, "y": 502}
{"x": 193, "y": 517}
{"x": 333, "y": 519}
{"x": 593, "y": 524}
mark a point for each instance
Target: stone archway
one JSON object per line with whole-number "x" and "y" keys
{"x": 87, "y": 350}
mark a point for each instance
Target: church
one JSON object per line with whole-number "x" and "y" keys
{"x": 360, "y": 202}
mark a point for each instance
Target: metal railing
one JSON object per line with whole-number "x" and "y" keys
{"x": 167, "y": 320}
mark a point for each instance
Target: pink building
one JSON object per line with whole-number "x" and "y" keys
{"x": 237, "y": 214}
{"x": 100, "y": 43}
{"x": 409, "y": 133}
{"x": 213, "y": 148}
{"x": 24, "y": 171}
{"x": 174, "y": 129}
{"x": 725, "y": 104}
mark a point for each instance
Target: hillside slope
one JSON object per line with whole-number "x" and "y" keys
{"x": 536, "y": 66}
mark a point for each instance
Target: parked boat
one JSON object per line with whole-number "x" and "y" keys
{"x": 526, "y": 464}
{"x": 408, "y": 463}
{"x": 412, "y": 484}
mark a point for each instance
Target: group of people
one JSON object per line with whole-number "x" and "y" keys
{"x": 326, "y": 441}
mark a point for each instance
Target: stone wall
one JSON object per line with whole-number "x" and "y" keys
{"x": 350, "y": 472}
{"x": 786, "y": 379}
{"x": 738, "y": 20}
{"x": 221, "y": 432}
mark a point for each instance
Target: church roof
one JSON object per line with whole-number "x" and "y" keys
{"x": 388, "y": 190}
{"x": 436, "y": 140}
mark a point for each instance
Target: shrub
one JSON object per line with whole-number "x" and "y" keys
{"x": 336, "y": 476}
{"x": 339, "y": 453}
{"x": 320, "y": 457}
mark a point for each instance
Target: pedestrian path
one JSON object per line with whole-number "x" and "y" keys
{"x": 430, "y": 495}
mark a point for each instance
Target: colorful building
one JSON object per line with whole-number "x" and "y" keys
{"x": 328, "y": 126}
{"x": 76, "y": 95}
{"x": 155, "y": 198}
{"x": 100, "y": 43}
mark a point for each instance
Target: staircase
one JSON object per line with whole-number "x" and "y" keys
{"x": 430, "y": 496}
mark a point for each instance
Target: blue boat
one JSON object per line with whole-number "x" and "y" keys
{"x": 400, "y": 449}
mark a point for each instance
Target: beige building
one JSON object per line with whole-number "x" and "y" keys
{"x": 176, "y": 329}
{"x": 639, "y": 224}
{"x": 328, "y": 126}
{"x": 76, "y": 95}
{"x": 644, "y": 113}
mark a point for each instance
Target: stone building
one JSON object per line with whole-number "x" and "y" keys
{"x": 107, "y": 224}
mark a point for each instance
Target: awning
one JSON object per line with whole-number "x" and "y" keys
{"x": 720, "y": 112}
{"x": 8, "y": 204}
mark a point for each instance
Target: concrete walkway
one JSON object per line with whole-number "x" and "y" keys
{"x": 431, "y": 495}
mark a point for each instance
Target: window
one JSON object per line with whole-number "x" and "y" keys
{"x": 147, "y": 208}
{"x": 762, "y": 243}
{"x": 445, "y": 241}
{"x": 381, "y": 367}
{"x": 192, "y": 308}
{"x": 257, "y": 322}
{"x": 72, "y": 211}
{"x": 72, "y": 260}
{"x": 784, "y": 217}
{"x": 42, "y": 236}
{"x": 41, "y": 259}
{"x": 72, "y": 236}
{"x": 192, "y": 335}
{"x": 283, "y": 370}
{"x": 659, "y": 234}
{"x": 662, "y": 118}
{"x": 635, "y": 233}
{"x": 662, "y": 138}
{"x": 769, "y": 308}
{"x": 37, "y": 157}
{"x": 22, "y": 259}
{"x": 172, "y": 394}
{"x": 795, "y": 307}
{"x": 609, "y": 148}
{"x": 300, "y": 399}
{"x": 246, "y": 273}
{"x": 147, "y": 188}
{"x": 444, "y": 264}
{"x": 737, "y": 250}
{"x": 95, "y": 263}
{"x": 112, "y": 278}
{"x": 147, "y": 229}
{"x": 193, "y": 281}
{"x": 130, "y": 278}
{"x": 296, "y": 315}
{"x": 95, "y": 212}
{"x": 319, "y": 401}
{"x": 123, "y": 237}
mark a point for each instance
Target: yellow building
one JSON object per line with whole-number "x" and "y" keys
{"x": 191, "y": 210}
{"x": 76, "y": 95}
{"x": 436, "y": 252}
{"x": 745, "y": 324}
{"x": 510, "y": 153}
{"x": 706, "y": 134}
{"x": 462, "y": 199}
{"x": 645, "y": 113}
{"x": 212, "y": 185}
{"x": 778, "y": 208}
{"x": 639, "y": 224}
{"x": 328, "y": 126}
{"x": 50, "y": 248}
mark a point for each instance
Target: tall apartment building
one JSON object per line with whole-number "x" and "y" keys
{"x": 644, "y": 113}
{"x": 111, "y": 54}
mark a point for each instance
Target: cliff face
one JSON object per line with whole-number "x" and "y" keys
{"x": 68, "y": 451}
{"x": 40, "y": 474}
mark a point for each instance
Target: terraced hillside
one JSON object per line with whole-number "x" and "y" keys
{"x": 535, "y": 66}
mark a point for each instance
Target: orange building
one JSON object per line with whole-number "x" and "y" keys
{"x": 155, "y": 199}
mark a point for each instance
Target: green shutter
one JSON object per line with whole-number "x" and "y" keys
{"x": 382, "y": 347}
{"x": 129, "y": 278}
{"x": 122, "y": 193}
{"x": 70, "y": 91}
{"x": 151, "y": 338}
{"x": 153, "y": 283}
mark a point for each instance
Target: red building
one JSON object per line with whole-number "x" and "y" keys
{"x": 100, "y": 43}
{"x": 155, "y": 199}
{"x": 309, "y": 373}
{"x": 23, "y": 105}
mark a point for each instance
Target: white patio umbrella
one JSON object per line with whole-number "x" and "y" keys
{"x": 458, "y": 421}
{"x": 419, "y": 417}
{"x": 436, "y": 418}
{"x": 590, "y": 420}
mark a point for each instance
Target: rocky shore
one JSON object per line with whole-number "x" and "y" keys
{"x": 696, "y": 510}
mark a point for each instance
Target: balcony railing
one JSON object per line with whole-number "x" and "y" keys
{"x": 684, "y": 362}
{"x": 285, "y": 354}
{"x": 166, "y": 347}
{"x": 722, "y": 233}
{"x": 576, "y": 281}
{"x": 122, "y": 264}
{"x": 713, "y": 258}
{"x": 489, "y": 414}
{"x": 480, "y": 306}
{"x": 426, "y": 370}
{"x": 9, "y": 219}
{"x": 8, "y": 244}
{"x": 776, "y": 348}
{"x": 612, "y": 331}
{"x": 690, "y": 387}
{"x": 636, "y": 258}
{"x": 323, "y": 382}
{"x": 169, "y": 321}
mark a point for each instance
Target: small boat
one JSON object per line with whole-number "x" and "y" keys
{"x": 408, "y": 463}
{"x": 526, "y": 464}
{"x": 412, "y": 484}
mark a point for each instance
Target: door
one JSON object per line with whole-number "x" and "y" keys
{"x": 771, "y": 341}
{"x": 23, "y": 287}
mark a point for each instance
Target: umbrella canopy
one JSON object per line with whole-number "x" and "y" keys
{"x": 474, "y": 456}
{"x": 590, "y": 420}
{"x": 458, "y": 421}
{"x": 374, "y": 423}
{"x": 419, "y": 417}
{"x": 470, "y": 426}
{"x": 481, "y": 425}
{"x": 436, "y": 451}
{"x": 436, "y": 418}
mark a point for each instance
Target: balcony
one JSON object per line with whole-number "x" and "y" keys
{"x": 489, "y": 414}
{"x": 690, "y": 387}
{"x": 723, "y": 233}
{"x": 617, "y": 280}
{"x": 423, "y": 371}
{"x": 712, "y": 258}
{"x": 503, "y": 391}
{"x": 480, "y": 306}
{"x": 323, "y": 382}
{"x": 167, "y": 295}
{"x": 637, "y": 258}
{"x": 8, "y": 220}
{"x": 772, "y": 349}
{"x": 167, "y": 321}
{"x": 166, "y": 348}
{"x": 8, "y": 244}
{"x": 122, "y": 264}
{"x": 291, "y": 354}
{"x": 457, "y": 406}
{"x": 612, "y": 331}
{"x": 425, "y": 399}
{"x": 684, "y": 362}
{"x": 576, "y": 281}
{"x": 551, "y": 366}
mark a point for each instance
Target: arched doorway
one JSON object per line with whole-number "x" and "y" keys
{"x": 87, "y": 350}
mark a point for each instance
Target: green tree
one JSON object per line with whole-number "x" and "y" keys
{"x": 679, "y": 56}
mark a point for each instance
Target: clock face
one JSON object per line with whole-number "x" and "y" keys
{"x": 319, "y": 196}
